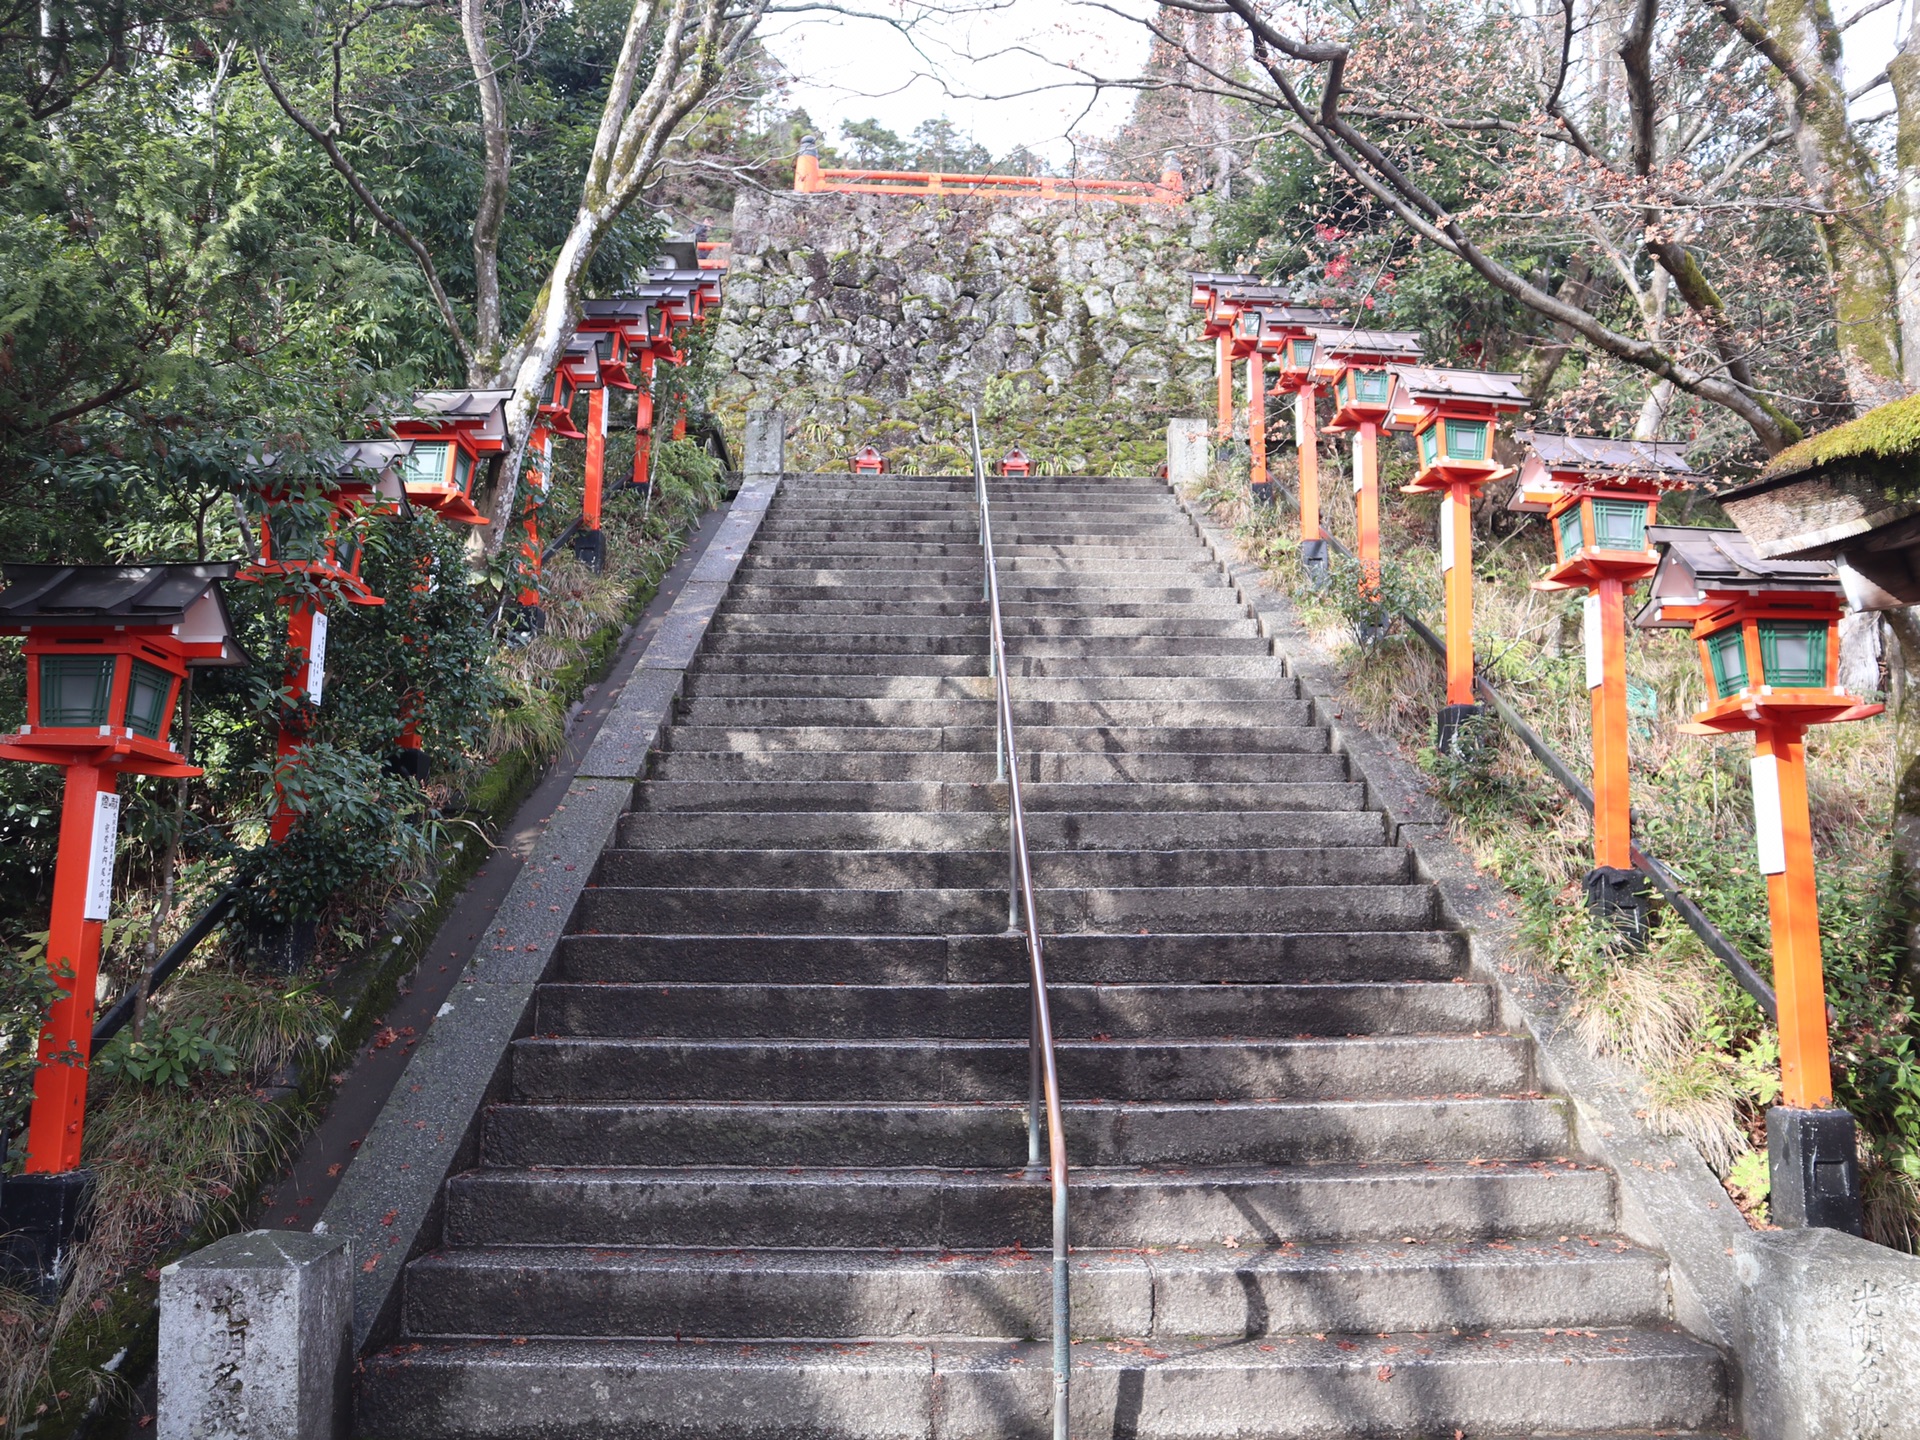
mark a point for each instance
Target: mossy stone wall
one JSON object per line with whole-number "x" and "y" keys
{"x": 882, "y": 319}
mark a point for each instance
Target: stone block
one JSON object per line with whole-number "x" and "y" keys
{"x": 766, "y": 451}
{"x": 1188, "y": 451}
{"x": 1832, "y": 1330}
{"x": 256, "y": 1341}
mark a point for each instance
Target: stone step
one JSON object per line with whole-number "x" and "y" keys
{"x": 992, "y": 1135}
{"x": 1034, "y": 737}
{"x": 1039, "y": 767}
{"x": 705, "y": 1010}
{"x": 1215, "y": 1291}
{"x": 766, "y": 602}
{"x": 615, "y": 1067}
{"x": 913, "y": 1208}
{"x": 861, "y": 621}
{"x": 1194, "y": 716}
{"x": 878, "y": 640}
{"x": 1179, "y": 909}
{"x": 1015, "y": 598}
{"x": 1070, "y": 666}
{"x": 965, "y": 869}
{"x": 974, "y": 830}
{"x": 1034, "y": 689}
{"x": 906, "y": 796}
{"x": 1480, "y": 1384}
{"x": 1281, "y": 957}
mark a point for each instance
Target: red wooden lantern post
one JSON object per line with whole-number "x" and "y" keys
{"x": 1291, "y": 340}
{"x": 108, "y": 649}
{"x": 621, "y": 327}
{"x": 1356, "y": 362}
{"x": 312, "y": 535}
{"x": 1768, "y": 637}
{"x": 454, "y": 433}
{"x": 1599, "y": 497}
{"x": 1208, "y": 292}
{"x": 1247, "y": 326}
{"x": 1455, "y": 412}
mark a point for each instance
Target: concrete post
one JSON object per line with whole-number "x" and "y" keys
{"x": 1188, "y": 453}
{"x": 1832, "y": 1326}
{"x": 766, "y": 442}
{"x": 256, "y": 1340}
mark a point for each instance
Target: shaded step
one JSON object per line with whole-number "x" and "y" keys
{"x": 597, "y": 1068}
{"x": 1365, "y": 1289}
{"x": 994, "y": 1135}
{"x": 718, "y": 1010}
{"x": 1283, "y": 958}
{"x": 722, "y": 1206}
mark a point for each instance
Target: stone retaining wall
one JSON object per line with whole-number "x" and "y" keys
{"x": 882, "y": 319}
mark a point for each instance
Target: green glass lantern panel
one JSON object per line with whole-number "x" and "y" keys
{"x": 1620, "y": 524}
{"x": 298, "y": 531}
{"x": 1370, "y": 387}
{"x": 1466, "y": 439}
{"x": 74, "y": 690}
{"x": 1571, "y": 540}
{"x": 1794, "y": 653}
{"x": 426, "y": 464}
{"x": 1729, "y": 654}
{"x": 1302, "y": 354}
{"x": 1430, "y": 444}
{"x": 147, "y": 691}
{"x": 462, "y": 471}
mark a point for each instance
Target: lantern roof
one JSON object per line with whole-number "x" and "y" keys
{"x": 481, "y": 415}
{"x": 1556, "y": 462}
{"x": 1351, "y": 345}
{"x": 1205, "y": 282}
{"x": 685, "y": 254}
{"x": 184, "y": 599}
{"x": 1434, "y": 387}
{"x": 1695, "y": 561}
{"x": 630, "y": 307}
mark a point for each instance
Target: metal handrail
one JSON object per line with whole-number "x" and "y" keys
{"x": 1723, "y": 949}
{"x": 1043, "y": 1090}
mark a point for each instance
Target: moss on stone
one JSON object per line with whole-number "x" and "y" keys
{"x": 1891, "y": 432}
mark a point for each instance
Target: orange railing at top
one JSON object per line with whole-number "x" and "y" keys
{"x": 811, "y": 178}
{"x": 715, "y": 254}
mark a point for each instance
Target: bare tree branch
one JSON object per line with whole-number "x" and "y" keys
{"x": 387, "y": 220}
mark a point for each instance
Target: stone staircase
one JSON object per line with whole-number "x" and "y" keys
{"x": 760, "y": 1171}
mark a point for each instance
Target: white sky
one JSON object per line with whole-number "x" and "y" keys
{"x": 858, "y": 68}
{"x": 985, "y": 65}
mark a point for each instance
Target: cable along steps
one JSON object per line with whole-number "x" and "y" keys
{"x": 763, "y": 1168}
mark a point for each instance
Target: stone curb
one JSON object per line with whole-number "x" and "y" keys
{"x": 388, "y": 1203}
{"x": 1669, "y": 1200}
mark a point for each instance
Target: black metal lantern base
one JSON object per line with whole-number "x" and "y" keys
{"x": 1622, "y": 900}
{"x": 1814, "y": 1169}
{"x": 590, "y": 548}
{"x": 1447, "y": 728}
{"x": 412, "y": 764}
{"x": 42, "y": 1217}
{"x": 1313, "y": 559}
{"x": 283, "y": 949}
{"x": 1262, "y": 492}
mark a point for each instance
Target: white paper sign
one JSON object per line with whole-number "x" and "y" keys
{"x": 1359, "y": 480}
{"x": 106, "y": 831}
{"x": 1590, "y": 631}
{"x": 1446, "y": 536}
{"x": 606, "y": 410}
{"x": 1767, "y": 827}
{"x": 317, "y": 657}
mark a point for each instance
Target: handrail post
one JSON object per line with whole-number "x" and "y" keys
{"x": 1043, "y": 1078}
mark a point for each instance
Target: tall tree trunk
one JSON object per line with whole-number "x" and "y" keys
{"x": 1840, "y": 173}
{"x": 1903, "y": 666}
